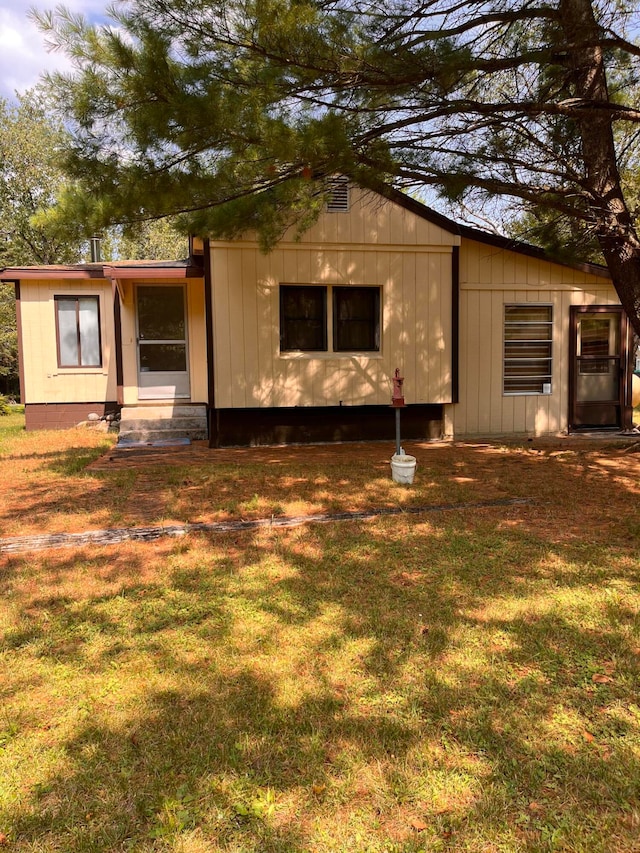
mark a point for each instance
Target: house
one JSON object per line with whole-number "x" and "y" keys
{"x": 492, "y": 337}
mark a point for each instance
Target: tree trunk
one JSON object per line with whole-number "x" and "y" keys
{"x": 614, "y": 225}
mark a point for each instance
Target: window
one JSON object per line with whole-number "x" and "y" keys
{"x": 527, "y": 349}
{"x": 352, "y": 324}
{"x": 78, "y": 331}
{"x": 356, "y": 319}
{"x": 303, "y": 318}
{"x": 597, "y": 342}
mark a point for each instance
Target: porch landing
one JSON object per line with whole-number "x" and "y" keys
{"x": 162, "y": 423}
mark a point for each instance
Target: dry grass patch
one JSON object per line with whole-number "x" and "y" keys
{"x": 448, "y": 681}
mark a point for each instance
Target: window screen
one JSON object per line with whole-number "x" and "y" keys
{"x": 527, "y": 349}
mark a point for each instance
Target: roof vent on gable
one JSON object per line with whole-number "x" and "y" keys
{"x": 338, "y": 201}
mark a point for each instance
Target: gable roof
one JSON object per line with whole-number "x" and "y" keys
{"x": 423, "y": 211}
{"x": 192, "y": 269}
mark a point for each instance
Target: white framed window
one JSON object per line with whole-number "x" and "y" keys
{"x": 528, "y": 342}
{"x": 78, "y": 331}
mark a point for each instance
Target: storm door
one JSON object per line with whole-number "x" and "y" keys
{"x": 599, "y": 369}
{"x": 163, "y": 362}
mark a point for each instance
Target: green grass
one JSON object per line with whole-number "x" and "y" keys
{"x": 376, "y": 687}
{"x": 458, "y": 681}
{"x": 12, "y": 424}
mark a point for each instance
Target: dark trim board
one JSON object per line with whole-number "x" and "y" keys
{"x": 16, "y": 286}
{"x": 310, "y": 425}
{"x": 64, "y": 415}
{"x": 117, "y": 324}
{"x": 455, "y": 325}
{"x": 208, "y": 313}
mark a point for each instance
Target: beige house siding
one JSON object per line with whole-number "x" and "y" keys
{"x": 374, "y": 220}
{"x": 376, "y": 243}
{"x": 196, "y": 331}
{"x": 491, "y": 278}
{"x": 45, "y": 382}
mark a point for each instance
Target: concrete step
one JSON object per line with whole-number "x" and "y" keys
{"x": 160, "y": 423}
{"x": 151, "y": 435}
{"x": 162, "y": 412}
{"x": 163, "y": 423}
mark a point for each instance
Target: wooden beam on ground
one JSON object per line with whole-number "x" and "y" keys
{"x": 47, "y": 541}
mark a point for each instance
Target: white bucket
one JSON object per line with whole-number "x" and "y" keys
{"x": 403, "y": 468}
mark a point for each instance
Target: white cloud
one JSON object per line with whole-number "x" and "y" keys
{"x": 23, "y": 52}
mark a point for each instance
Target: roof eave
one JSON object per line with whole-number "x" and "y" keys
{"x": 139, "y": 272}
{"x": 25, "y": 273}
{"x": 470, "y": 233}
{"x": 103, "y": 272}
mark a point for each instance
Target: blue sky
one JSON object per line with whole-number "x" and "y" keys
{"x": 23, "y": 52}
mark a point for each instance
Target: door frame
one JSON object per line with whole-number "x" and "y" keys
{"x": 622, "y": 406}
{"x": 143, "y": 392}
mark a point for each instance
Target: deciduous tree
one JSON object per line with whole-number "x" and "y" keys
{"x": 31, "y": 175}
{"x": 32, "y": 145}
{"x": 8, "y": 342}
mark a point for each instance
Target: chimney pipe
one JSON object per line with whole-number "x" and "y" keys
{"x": 95, "y": 249}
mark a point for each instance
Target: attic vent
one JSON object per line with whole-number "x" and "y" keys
{"x": 339, "y": 199}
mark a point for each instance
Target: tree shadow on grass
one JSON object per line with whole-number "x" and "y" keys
{"x": 446, "y": 474}
{"x": 391, "y": 675}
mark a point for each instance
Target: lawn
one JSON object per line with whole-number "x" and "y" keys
{"x": 458, "y": 679}
{"x": 11, "y": 425}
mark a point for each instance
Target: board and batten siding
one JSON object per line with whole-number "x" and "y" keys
{"x": 196, "y": 336}
{"x": 491, "y": 278}
{"x": 376, "y": 243}
{"x": 45, "y": 382}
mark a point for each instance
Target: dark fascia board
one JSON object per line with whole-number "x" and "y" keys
{"x": 173, "y": 270}
{"x": 113, "y": 270}
{"x": 81, "y": 271}
{"x": 469, "y": 233}
{"x": 499, "y": 242}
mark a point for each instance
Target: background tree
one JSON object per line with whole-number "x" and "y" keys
{"x": 151, "y": 240}
{"x": 31, "y": 175}
{"x": 9, "y": 384}
{"x": 32, "y": 146}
